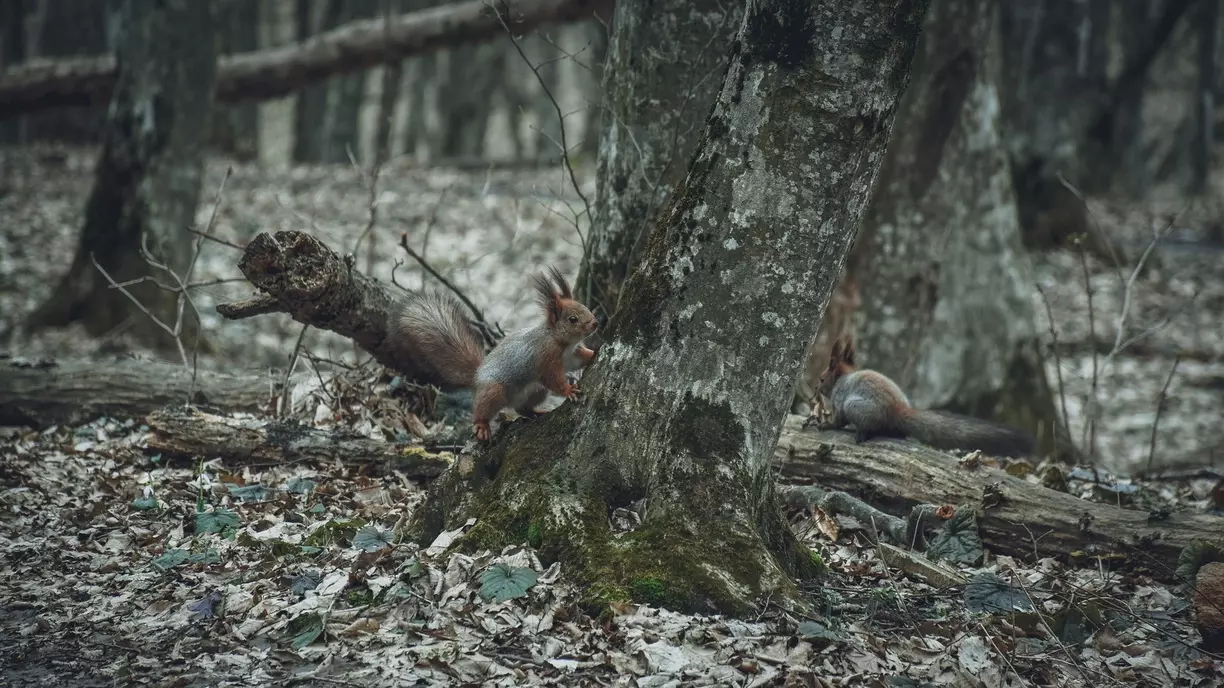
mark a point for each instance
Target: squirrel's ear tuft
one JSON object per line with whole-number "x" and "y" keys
{"x": 563, "y": 287}
{"x": 835, "y": 353}
{"x": 847, "y": 350}
{"x": 549, "y": 298}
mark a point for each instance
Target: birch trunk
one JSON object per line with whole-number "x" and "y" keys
{"x": 685, "y": 403}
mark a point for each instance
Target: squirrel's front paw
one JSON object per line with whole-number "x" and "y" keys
{"x": 571, "y": 392}
{"x": 482, "y": 432}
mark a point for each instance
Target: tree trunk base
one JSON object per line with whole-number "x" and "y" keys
{"x": 520, "y": 491}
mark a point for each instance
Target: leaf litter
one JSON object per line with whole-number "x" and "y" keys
{"x": 120, "y": 566}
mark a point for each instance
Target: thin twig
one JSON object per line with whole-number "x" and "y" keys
{"x": 293, "y": 359}
{"x": 156, "y": 320}
{"x": 1062, "y": 390}
{"x": 1089, "y": 438}
{"x": 1160, "y": 404}
{"x": 216, "y": 239}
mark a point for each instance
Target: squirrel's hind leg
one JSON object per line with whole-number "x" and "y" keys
{"x": 526, "y": 406}
{"x": 489, "y": 400}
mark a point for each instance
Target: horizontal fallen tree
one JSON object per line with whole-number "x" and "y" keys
{"x": 180, "y": 431}
{"x": 45, "y": 392}
{"x": 276, "y": 72}
{"x": 1015, "y": 517}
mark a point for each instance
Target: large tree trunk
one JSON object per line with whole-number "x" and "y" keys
{"x": 148, "y": 175}
{"x": 685, "y": 403}
{"x": 945, "y": 290}
{"x": 665, "y": 66}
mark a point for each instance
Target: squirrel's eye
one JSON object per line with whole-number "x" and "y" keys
{"x": 573, "y": 319}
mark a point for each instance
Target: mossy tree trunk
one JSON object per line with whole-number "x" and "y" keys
{"x": 945, "y": 290}
{"x": 685, "y": 403}
{"x": 666, "y": 60}
{"x": 148, "y": 175}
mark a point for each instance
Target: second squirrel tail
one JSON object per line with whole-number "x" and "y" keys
{"x": 434, "y": 329}
{"x": 944, "y": 430}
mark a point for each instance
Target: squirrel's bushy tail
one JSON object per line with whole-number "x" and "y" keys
{"x": 437, "y": 334}
{"x": 944, "y": 430}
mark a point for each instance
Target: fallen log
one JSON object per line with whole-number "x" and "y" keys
{"x": 276, "y": 72}
{"x": 1027, "y": 521}
{"x": 299, "y": 275}
{"x": 182, "y": 431}
{"x": 45, "y": 392}
{"x": 1016, "y": 518}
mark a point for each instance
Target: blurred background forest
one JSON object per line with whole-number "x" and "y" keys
{"x": 1046, "y": 244}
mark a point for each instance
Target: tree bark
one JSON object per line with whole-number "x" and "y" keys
{"x": 147, "y": 179}
{"x": 280, "y": 71}
{"x": 945, "y": 290}
{"x": 1029, "y": 521}
{"x": 683, "y": 407}
{"x": 41, "y": 393}
{"x": 665, "y": 66}
{"x": 180, "y": 431}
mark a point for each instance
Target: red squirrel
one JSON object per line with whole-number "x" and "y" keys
{"x": 524, "y": 366}
{"x": 877, "y": 407}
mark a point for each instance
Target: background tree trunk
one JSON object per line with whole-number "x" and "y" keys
{"x": 148, "y": 175}
{"x": 1054, "y": 82}
{"x": 686, "y": 401}
{"x": 945, "y": 289}
{"x": 314, "y": 16}
{"x": 665, "y": 65}
{"x": 235, "y": 127}
{"x": 12, "y": 52}
{"x": 472, "y": 74}
{"x": 1203, "y": 116}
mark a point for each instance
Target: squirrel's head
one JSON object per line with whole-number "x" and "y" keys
{"x": 841, "y": 362}
{"x": 569, "y": 320}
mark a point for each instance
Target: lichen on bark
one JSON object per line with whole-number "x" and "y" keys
{"x": 683, "y": 407}
{"x": 666, "y": 60}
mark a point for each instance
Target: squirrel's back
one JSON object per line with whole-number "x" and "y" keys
{"x": 873, "y": 402}
{"x": 433, "y": 326}
{"x": 515, "y": 360}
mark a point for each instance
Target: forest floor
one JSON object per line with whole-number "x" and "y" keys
{"x": 120, "y": 568}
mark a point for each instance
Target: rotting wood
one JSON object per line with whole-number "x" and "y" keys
{"x": 182, "y": 431}
{"x": 299, "y": 275}
{"x": 1030, "y": 519}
